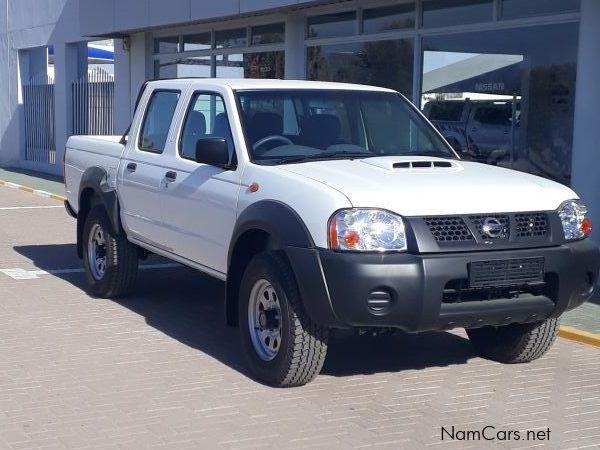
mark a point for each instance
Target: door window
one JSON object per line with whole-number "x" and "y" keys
{"x": 206, "y": 118}
{"x": 157, "y": 121}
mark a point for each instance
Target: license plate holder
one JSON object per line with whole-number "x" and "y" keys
{"x": 506, "y": 272}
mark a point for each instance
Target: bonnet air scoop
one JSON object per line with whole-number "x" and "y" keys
{"x": 413, "y": 164}
{"x": 421, "y": 164}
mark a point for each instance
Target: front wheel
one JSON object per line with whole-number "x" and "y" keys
{"x": 283, "y": 347}
{"x": 515, "y": 343}
{"x": 110, "y": 261}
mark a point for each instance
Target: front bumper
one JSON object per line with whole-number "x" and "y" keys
{"x": 335, "y": 287}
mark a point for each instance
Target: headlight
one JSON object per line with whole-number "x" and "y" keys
{"x": 366, "y": 230}
{"x": 575, "y": 223}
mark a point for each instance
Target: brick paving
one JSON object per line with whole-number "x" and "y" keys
{"x": 161, "y": 370}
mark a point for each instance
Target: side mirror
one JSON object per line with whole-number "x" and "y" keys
{"x": 213, "y": 151}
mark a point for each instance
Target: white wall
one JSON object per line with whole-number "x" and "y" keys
{"x": 106, "y": 16}
{"x": 25, "y": 25}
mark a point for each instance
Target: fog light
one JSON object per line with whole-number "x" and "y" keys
{"x": 379, "y": 302}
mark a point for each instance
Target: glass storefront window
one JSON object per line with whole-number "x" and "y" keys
{"x": 198, "y": 66}
{"x": 505, "y": 98}
{"x": 264, "y": 65}
{"x": 230, "y": 38}
{"x": 166, "y": 44}
{"x": 193, "y": 42}
{"x": 251, "y": 65}
{"x": 388, "y": 18}
{"x": 525, "y": 8}
{"x": 268, "y": 34}
{"x": 441, "y": 13}
{"x": 386, "y": 63}
{"x": 332, "y": 25}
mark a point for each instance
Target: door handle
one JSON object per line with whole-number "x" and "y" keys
{"x": 171, "y": 176}
{"x": 131, "y": 167}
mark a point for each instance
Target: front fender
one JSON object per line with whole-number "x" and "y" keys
{"x": 94, "y": 184}
{"x": 285, "y": 227}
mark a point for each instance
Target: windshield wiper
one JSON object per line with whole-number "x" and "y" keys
{"x": 320, "y": 157}
{"x": 432, "y": 154}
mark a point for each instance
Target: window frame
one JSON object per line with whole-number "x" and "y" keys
{"x": 147, "y": 110}
{"x": 189, "y": 108}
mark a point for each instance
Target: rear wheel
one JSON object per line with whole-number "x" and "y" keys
{"x": 282, "y": 345}
{"x": 110, "y": 261}
{"x": 515, "y": 343}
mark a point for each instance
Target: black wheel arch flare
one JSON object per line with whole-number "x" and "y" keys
{"x": 280, "y": 225}
{"x": 94, "y": 183}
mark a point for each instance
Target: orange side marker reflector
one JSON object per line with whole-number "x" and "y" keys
{"x": 254, "y": 187}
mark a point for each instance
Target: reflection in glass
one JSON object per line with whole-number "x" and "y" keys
{"x": 439, "y": 13}
{"x": 230, "y": 38}
{"x": 196, "y": 42}
{"x": 505, "y": 98}
{"x": 331, "y": 25}
{"x": 264, "y": 65}
{"x": 251, "y": 65}
{"x": 383, "y": 63}
{"x": 525, "y": 8}
{"x": 197, "y": 66}
{"x": 388, "y": 18}
{"x": 166, "y": 44}
{"x": 268, "y": 34}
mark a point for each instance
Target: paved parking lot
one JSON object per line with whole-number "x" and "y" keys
{"x": 161, "y": 370}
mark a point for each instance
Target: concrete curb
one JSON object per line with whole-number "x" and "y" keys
{"x": 39, "y": 192}
{"x": 566, "y": 332}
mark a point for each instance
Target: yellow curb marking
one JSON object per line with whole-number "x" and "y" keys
{"x": 60, "y": 198}
{"x": 577, "y": 335}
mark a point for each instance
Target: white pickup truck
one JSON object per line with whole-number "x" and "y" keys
{"x": 327, "y": 206}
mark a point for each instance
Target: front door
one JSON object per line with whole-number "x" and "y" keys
{"x": 200, "y": 200}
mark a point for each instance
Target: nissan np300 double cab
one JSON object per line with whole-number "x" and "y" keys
{"x": 325, "y": 206}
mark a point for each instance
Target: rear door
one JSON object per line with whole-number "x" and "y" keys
{"x": 141, "y": 171}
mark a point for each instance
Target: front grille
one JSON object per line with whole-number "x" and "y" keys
{"x": 448, "y": 229}
{"x": 490, "y": 229}
{"x": 506, "y": 272}
{"x": 531, "y": 225}
{"x": 503, "y": 220}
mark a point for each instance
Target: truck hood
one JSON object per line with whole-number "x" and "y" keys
{"x": 417, "y": 186}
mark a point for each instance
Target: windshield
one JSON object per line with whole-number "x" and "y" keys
{"x": 286, "y": 126}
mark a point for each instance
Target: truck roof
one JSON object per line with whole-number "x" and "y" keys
{"x": 241, "y": 84}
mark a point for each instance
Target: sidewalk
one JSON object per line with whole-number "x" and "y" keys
{"x": 586, "y": 317}
{"x": 35, "y": 180}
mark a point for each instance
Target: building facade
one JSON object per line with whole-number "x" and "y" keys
{"x": 508, "y": 82}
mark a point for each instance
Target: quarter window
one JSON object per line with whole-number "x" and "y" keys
{"x": 157, "y": 121}
{"x": 206, "y": 118}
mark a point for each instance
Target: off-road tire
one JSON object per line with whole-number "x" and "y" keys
{"x": 303, "y": 344}
{"x": 515, "y": 343}
{"x": 121, "y": 259}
